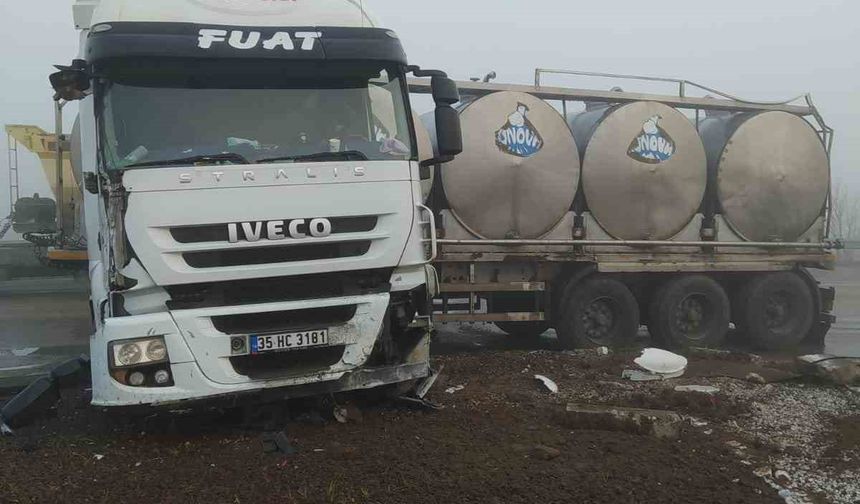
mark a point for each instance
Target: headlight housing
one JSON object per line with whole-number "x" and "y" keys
{"x": 140, "y": 352}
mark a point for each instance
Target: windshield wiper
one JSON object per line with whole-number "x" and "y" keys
{"x": 231, "y": 157}
{"x": 350, "y": 155}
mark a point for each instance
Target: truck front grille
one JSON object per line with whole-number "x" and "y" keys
{"x": 218, "y": 232}
{"x": 275, "y": 255}
{"x": 287, "y": 364}
{"x": 284, "y": 321}
{"x": 272, "y": 290}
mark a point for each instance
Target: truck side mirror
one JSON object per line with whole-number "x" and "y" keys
{"x": 445, "y": 91}
{"x": 71, "y": 82}
{"x": 449, "y": 137}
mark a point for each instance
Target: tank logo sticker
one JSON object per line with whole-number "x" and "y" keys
{"x": 653, "y": 145}
{"x": 518, "y": 136}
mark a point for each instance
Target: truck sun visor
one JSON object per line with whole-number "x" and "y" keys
{"x": 186, "y": 40}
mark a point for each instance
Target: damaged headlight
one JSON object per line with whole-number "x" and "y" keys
{"x": 142, "y": 352}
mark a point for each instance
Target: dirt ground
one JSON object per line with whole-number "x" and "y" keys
{"x": 501, "y": 438}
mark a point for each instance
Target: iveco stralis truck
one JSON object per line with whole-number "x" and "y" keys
{"x": 253, "y": 206}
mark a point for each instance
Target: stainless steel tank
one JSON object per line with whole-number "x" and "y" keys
{"x": 770, "y": 173}
{"x": 644, "y": 170}
{"x": 519, "y": 170}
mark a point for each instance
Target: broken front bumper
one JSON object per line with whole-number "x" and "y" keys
{"x": 203, "y": 365}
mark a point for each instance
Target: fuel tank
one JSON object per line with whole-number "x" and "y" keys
{"x": 519, "y": 170}
{"x": 770, "y": 173}
{"x": 644, "y": 169}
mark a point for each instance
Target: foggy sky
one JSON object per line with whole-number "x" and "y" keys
{"x": 757, "y": 49}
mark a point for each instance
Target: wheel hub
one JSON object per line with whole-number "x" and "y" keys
{"x": 777, "y": 311}
{"x": 690, "y": 315}
{"x": 598, "y": 320}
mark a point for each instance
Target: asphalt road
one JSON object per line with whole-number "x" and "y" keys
{"x": 844, "y": 338}
{"x": 44, "y": 312}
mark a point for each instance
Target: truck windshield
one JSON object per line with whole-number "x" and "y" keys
{"x": 161, "y": 115}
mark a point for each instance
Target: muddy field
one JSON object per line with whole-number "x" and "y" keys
{"x": 500, "y": 437}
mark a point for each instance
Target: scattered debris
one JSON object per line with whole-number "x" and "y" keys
{"x": 348, "y": 414}
{"x": 839, "y": 370}
{"x": 615, "y": 384}
{"x": 603, "y": 351}
{"x": 424, "y": 386}
{"x": 277, "y": 442}
{"x": 454, "y": 390}
{"x": 782, "y": 478}
{"x": 657, "y": 423}
{"x": 695, "y": 422}
{"x": 37, "y": 398}
{"x": 549, "y": 384}
{"x": 756, "y": 378}
{"x": 663, "y": 363}
{"x": 545, "y": 452}
{"x": 5, "y": 430}
{"x": 698, "y": 389}
{"x": 640, "y": 376}
{"x": 421, "y": 403}
{"x": 763, "y": 472}
{"x": 98, "y": 457}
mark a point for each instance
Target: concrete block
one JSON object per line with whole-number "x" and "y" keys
{"x": 657, "y": 423}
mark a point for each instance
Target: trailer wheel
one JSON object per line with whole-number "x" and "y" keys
{"x": 777, "y": 310}
{"x": 524, "y": 330}
{"x": 690, "y": 311}
{"x": 599, "y": 311}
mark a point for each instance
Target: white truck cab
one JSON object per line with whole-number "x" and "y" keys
{"x": 253, "y": 205}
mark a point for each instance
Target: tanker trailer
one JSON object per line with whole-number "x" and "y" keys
{"x": 643, "y": 171}
{"x": 661, "y": 256}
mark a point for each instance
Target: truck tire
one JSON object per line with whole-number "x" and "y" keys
{"x": 524, "y": 330}
{"x": 690, "y": 311}
{"x": 599, "y": 311}
{"x": 777, "y": 310}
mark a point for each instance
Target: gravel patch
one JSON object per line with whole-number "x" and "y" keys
{"x": 796, "y": 421}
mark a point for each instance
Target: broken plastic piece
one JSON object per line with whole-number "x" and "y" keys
{"x": 67, "y": 373}
{"x": 31, "y": 402}
{"x": 454, "y": 390}
{"x": 666, "y": 364}
{"x": 277, "y": 442}
{"x": 421, "y": 403}
{"x": 550, "y": 385}
{"x": 424, "y": 387}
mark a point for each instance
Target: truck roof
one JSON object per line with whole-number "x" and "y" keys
{"x": 335, "y": 13}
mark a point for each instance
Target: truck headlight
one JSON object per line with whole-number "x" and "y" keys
{"x": 142, "y": 352}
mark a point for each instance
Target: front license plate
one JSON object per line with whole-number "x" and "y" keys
{"x": 288, "y": 341}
